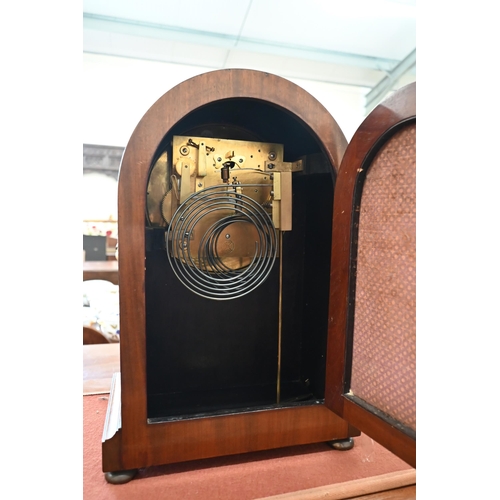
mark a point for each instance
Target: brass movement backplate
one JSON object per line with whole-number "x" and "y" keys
{"x": 197, "y": 163}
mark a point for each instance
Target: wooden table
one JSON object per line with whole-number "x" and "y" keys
{"x": 101, "y": 270}
{"x": 100, "y": 361}
{"x": 380, "y": 475}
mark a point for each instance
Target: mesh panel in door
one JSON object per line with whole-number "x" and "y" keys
{"x": 383, "y": 366}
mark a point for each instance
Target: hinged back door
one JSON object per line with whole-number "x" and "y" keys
{"x": 370, "y": 380}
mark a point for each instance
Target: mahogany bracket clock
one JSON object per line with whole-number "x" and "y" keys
{"x": 267, "y": 276}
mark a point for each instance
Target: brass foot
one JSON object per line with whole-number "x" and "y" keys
{"x": 120, "y": 476}
{"x": 342, "y": 444}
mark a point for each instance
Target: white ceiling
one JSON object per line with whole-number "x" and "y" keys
{"x": 366, "y": 43}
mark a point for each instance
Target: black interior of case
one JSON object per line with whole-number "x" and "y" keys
{"x": 211, "y": 357}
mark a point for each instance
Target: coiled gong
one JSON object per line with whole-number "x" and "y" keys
{"x": 222, "y": 244}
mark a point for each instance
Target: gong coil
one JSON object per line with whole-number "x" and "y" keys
{"x": 201, "y": 252}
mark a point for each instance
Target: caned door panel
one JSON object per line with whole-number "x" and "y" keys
{"x": 372, "y": 336}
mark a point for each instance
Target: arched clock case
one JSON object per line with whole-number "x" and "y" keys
{"x": 243, "y": 234}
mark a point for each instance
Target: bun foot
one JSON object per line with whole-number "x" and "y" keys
{"x": 342, "y": 444}
{"x": 120, "y": 476}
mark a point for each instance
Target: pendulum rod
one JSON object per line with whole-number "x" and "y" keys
{"x": 280, "y": 318}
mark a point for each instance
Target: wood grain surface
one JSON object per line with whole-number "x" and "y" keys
{"x": 376, "y": 129}
{"x": 139, "y": 443}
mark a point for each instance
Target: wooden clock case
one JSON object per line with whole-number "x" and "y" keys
{"x": 148, "y": 425}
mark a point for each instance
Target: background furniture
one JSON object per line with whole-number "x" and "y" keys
{"x": 101, "y": 270}
{"x": 93, "y": 336}
{"x": 100, "y": 361}
{"x": 94, "y": 247}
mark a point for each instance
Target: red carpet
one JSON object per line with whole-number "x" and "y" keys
{"x": 241, "y": 477}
